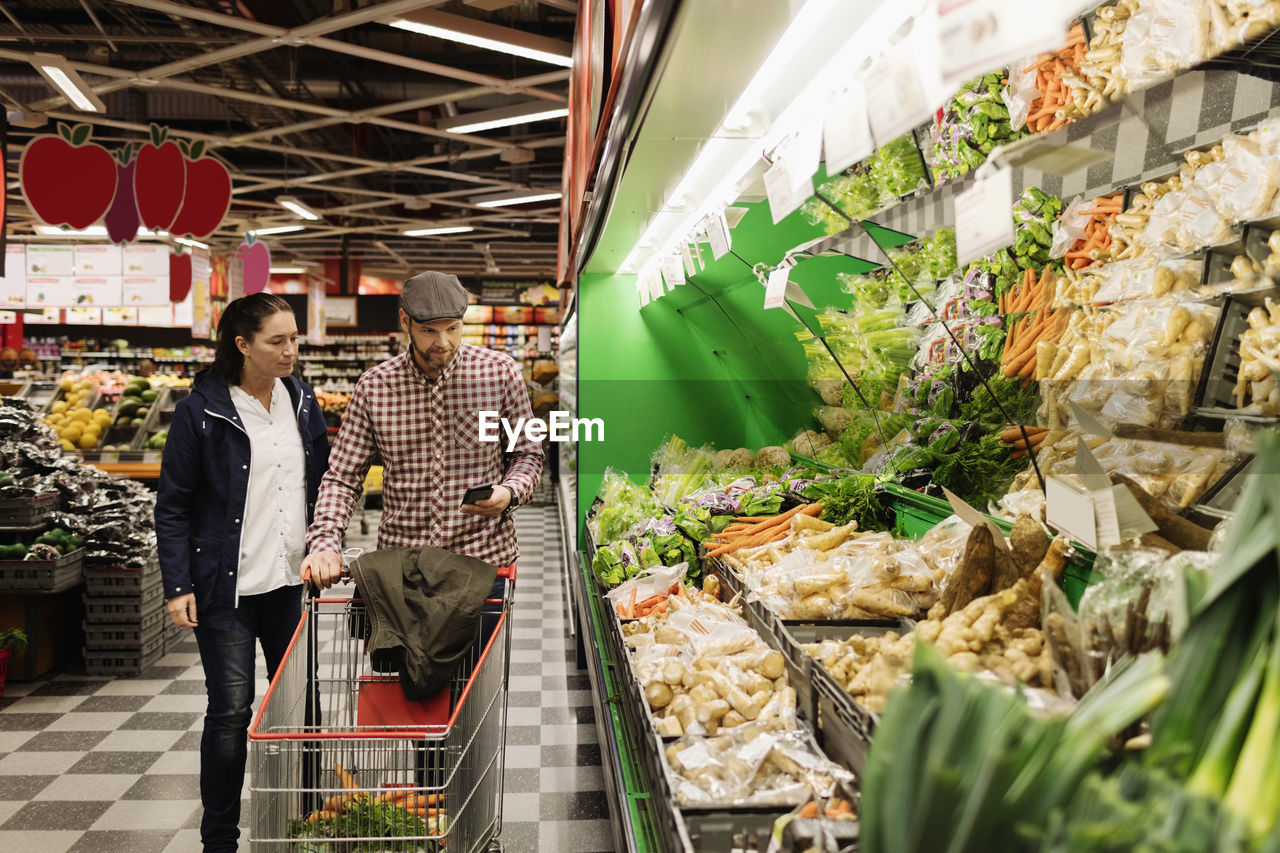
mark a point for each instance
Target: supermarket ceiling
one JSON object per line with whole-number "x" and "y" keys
{"x": 357, "y": 110}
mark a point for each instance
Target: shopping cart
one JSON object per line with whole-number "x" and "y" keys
{"x": 378, "y": 772}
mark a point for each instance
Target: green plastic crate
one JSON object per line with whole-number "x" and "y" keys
{"x": 917, "y": 514}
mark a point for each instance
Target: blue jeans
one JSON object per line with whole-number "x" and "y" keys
{"x": 227, "y": 654}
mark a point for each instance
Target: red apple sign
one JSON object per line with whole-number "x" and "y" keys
{"x": 256, "y": 260}
{"x": 65, "y": 180}
{"x": 159, "y": 180}
{"x": 208, "y": 195}
{"x": 179, "y": 277}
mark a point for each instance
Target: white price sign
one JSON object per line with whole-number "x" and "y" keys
{"x": 672, "y": 270}
{"x": 655, "y": 286}
{"x": 804, "y": 154}
{"x": 718, "y": 235}
{"x": 984, "y": 217}
{"x": 1071, "y": 512}
{"x": 775, "y": 291}
{"x": 846, "y": 129}
{"x": 980, "y": 36}
{"x": 785, "y": 195}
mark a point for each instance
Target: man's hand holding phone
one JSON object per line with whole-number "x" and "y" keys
{"x": 486, "y": 500}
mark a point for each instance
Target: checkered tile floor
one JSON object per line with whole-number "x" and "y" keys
{"x": 111, "y": 766}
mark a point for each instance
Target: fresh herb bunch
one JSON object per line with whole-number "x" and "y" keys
{"x": 364, "y": 818}
{"x": 854, "y": 497}
{"x": 1020, "y": 401}
{"x": 978, "y": 471}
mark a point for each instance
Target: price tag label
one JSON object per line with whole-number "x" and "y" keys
{"x": 972, "y": 517}
{"x": 673, "y": 271}
{"x": 686, "y": 255}
{"x": 7, "y": 317}
{"x": 977, "y": 36}
{"x": 983, "y": 216}
{"x": 804, "y": 154}
{"x": 718, "y": 235}
{"x": 785, "y": 196}
{"x": 655, "y": 286}
{"x": 775, "y": 291}
{"x": 846, "y": 130}
{"x": 903, "y": 86}
{"x": 642, "y": 293}
{"x": 1071, "y": 512}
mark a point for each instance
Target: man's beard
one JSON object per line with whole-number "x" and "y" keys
{"x": 434, "y": 361}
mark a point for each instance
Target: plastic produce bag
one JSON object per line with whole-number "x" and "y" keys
{"x": 655, "y": 581}
{"x": 751, "y": 765}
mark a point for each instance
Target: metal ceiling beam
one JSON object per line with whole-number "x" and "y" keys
{"x": 360, "y": 116}
{"x": 338, "y": 115}
{"x": 311, "y": 34}
{"x": 570, "y": 6}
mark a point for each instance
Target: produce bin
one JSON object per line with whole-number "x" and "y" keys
{"x": 129, "y": 610}
{"x": 42, "y": 575}
{"x": 917, "y": 514}
{"x": 113, "y": 581}
{"x": 1215, "y": 395}
{"x": 26, "y": 513}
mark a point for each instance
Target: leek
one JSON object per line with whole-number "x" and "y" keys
{"x": 1254, "y": 792}
{"x": 1214, "y": 770}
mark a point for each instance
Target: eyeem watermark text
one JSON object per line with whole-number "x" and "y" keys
{"x": 559, "y": 427}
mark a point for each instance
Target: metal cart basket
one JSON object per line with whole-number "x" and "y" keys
{"x": 378, "y": 772}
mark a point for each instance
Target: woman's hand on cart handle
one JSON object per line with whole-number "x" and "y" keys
{"x": 182, "y": 610}
{"x": 322, "y": 569}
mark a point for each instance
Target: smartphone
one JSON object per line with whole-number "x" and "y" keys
{"x": 477, "y": 493}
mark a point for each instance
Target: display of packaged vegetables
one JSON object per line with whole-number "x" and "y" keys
{"x": 972, "y": 125}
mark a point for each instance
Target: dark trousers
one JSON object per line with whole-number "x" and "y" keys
{"x": 227, "y": 654}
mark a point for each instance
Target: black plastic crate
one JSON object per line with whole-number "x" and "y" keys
{"x": 1215, "y": 393}
{"x": 120, "y": 582}
{"x": 42, "y": 575}
{"x": 123, "y": 662}
{"x": 129, "y": 637}
{"x": 98, "y": 609}
{"x": 27, "y": 512}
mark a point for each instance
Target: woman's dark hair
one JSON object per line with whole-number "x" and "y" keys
{"x": 242, "y": 318}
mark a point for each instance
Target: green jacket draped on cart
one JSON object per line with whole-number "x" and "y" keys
{"x": 424, "y": 607}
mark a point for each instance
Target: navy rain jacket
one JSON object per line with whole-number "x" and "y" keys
{"x": 204, "y": 480}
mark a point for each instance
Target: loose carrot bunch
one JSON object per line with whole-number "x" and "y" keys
{"x": 1012, "y": 436}
{"x": 1052, "y": 73}
{"x": 1094, "y": 248}
{"x": 751, "y": 531}
{"x": 656, "y": 603}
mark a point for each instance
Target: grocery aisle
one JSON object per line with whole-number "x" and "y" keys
{"x": 93, "y": 764}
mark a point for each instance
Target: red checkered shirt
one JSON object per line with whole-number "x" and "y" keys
{"x": 428, "y": 436}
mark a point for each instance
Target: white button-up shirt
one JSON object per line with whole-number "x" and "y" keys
{"x": 273, "y": 540}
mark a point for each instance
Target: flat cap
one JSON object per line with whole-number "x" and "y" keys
{"x": 431, "y": 295}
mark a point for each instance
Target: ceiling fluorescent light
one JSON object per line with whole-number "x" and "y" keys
{"x": 278, "y": 229}
{"x": 433, "y": 232}
{"x": 194, "y": 244}
{"x": 482, "y": 34}
{"x": 502, "y": 117}
{"x": 61, "y": 76}
{"x": 291, "y": 204}
{"x": 516, "y": 197}
{"x": 286, "y": 270}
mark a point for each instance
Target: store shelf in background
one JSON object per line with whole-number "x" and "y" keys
{"x": 132, "y": 470}
{"x": 1140, "y": 140}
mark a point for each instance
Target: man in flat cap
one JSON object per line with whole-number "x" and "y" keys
{"x": 421, "y": 412}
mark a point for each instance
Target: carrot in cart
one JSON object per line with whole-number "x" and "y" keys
{"x": 323, "y": 814}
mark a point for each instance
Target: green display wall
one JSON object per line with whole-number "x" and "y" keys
{"x": 706, "y": 362}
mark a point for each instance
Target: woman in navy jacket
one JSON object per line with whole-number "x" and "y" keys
{"x": 238, "y": 483}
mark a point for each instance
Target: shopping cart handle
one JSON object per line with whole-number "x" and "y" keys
{"x": 508, "y": 572}
{"x": 344, "y": 577}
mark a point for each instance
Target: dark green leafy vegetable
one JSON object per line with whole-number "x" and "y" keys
{"x": 854, "y": 497}
{"x": 364, "y": 818}
{"x": 978, "y": 471}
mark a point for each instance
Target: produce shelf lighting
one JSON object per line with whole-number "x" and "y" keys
{"x": 278, "y": 229}
{"x": 501, "y": 117}
{"x": 516, "y": 197}
{"x": 482, "y": 34}
{"x": 64, "y": 78}
{"x": 434, "y": 232}
{"x": 292, "y": 205}
{"x": 286, "y": 270}
{"x": 788, "y": 89}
